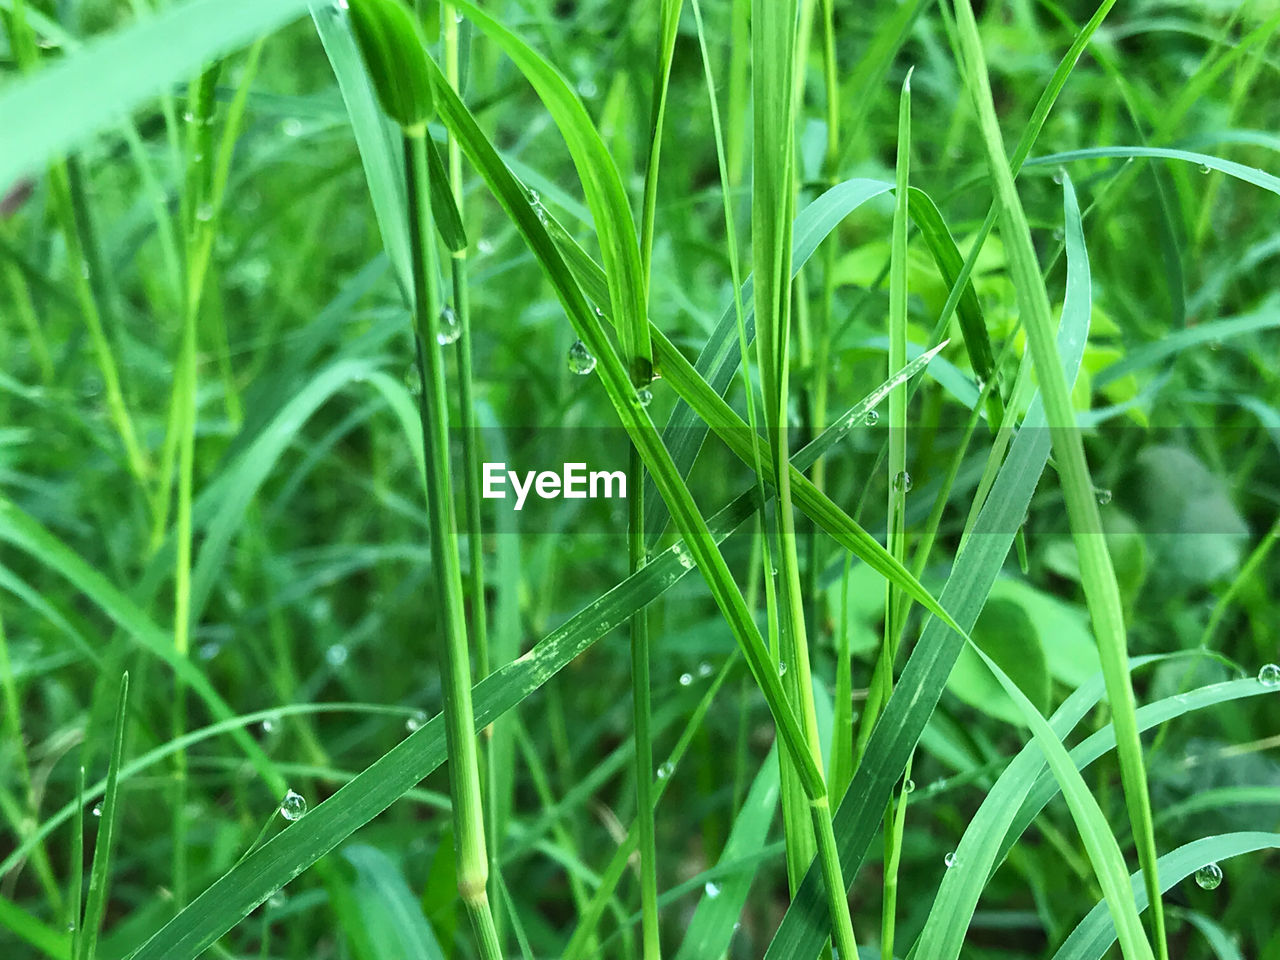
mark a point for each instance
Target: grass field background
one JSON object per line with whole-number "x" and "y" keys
{"x": 936, "y": 342}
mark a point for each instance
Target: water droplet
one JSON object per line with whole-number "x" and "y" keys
{"x": 204, "y": 212}
{"x": 209, "y": 650}
{"x": 871, "y": 419}
{"x": 587, "y": 88}
{"x": 1104, "y": 497}
{"x": 484, "y": 245}
{"x": 581, "y": 361}
{"x": 1059, "y": 175}
{"x": 450, "y": 329}
{"x": 1059, "y": 234}
{"x": 909, "y": 787}
{"x": 902, "y": 481}
{"x": 666, "y": 770}
{"x": 412, "y": 380}
{"x": 269, "y": 726}
{"x": 1269, "y": 676}
{"x": 276, "y": 900}
{"x": 416, "y": 721}
{"x": 705, "y": 670}
{"x": 686, "y": 679}
{"x": 291, "y": 127}
{"x": 188, "y": 117}
{"x": 712, "y": 890}
{"x": 645, "y": 396}
{"x": 1209, "y": 877}
{"x": 684, "y": 556}
{"x": 457, "y": 16}
{"x": 599, "y": 313}
{"x": 1204, "y": 168}
{"x": 293, "y": 806}
{"x": 97, "y": 810}
{"x": 782, "y": 668}
{"x": 949, "y": 860}
{"x": 71, "y": 926}
{"x": 336, "y": 655}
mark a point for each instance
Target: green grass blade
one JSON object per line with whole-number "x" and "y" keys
{"x": 925, "y": 674}
{"x": 1100, "y": 843}
{"x": 234, "y": 896}
{"x": 99, "y": 875}
{"x": 101, "y": 81}
{"x": 374, "y": 136}
{"x": 1095, "y": 934}
{"x": 1259, "y": 178}
{"x": 601, "y": 184}
{"x": 1101, "y": 590}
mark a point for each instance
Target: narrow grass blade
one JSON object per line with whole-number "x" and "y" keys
{"x": 602, "y": 185}
{"x": 279, "y": 860}
{"x": 925, "y": 674}
{"x": 109, "y": 816}
{"x": 1100, "y": 843}
{"x": 1101, "y": 590}
{"x": 1095, "y": 934}
{"x": 102, "y": 81}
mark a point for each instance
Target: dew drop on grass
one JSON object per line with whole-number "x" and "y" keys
{"x": 686, "y": 679}
{"x": 684, "y": 556}
{"x": 484, "y": 245}
{"x": 1204, "y": 168}
{"x": 1104, "y": 497}
{"x": 782, "y": 668}
{"x": 1269, "y": 676}
{"x": 712, "y": 890}
{"x": 336, "y": 655}
{"x": 1059, "y": 175}
{"x": 293, "y": 806}
{"x": 416, "y": 721}
{"x": 204, "y": 212}
{"x": 1059, "y": 234}
{"x": 645, "y": 396}
{"x": 1209, "y": 877}
{"x": 587, "y": 88}
{"x": 581, "y": 361}
{"x": 902, "y": 481}
{"x": 949, "y": 860}
{"x": 291, "y": 127}
{"x": 276, "y": 900}
{"x": 666, "y": 770}
{"x": 909, "y": 787}
{"x": 705, "y": 670}
{"x": 449, "y": 330}
{"x": 871, "y": 419}
{"x": 97, "y": 810}
{"x": 268, "y": 726}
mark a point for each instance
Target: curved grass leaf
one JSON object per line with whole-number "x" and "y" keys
{"x": 1095, "y": 934}
{"x": 1102, "y": 592}
{"x": 615, "y": 228}
{"x": 102, "y": 80}
{"x": 1099, "y": 842}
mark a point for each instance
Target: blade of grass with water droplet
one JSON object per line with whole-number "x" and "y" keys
{"x": 1095, "y": 934}
{"x": 279, "y": 860}
{"x": 99, "y": 875}
{"x": 1101, "y": 590}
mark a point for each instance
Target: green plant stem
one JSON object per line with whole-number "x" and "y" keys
{"x": 464, "y": 773}
{"x": 641, "y": 720}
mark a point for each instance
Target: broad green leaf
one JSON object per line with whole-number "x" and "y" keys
{"x": 1007, "y": 634}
